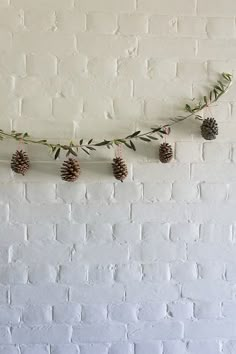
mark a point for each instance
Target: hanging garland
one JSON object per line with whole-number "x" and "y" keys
{"x": 70, "y": 170}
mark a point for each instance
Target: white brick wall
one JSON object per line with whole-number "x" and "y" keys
{"x": 99, "y": 267}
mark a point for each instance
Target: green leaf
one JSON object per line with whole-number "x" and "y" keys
{"x": 152, "y": 137}
{"x": 132, "y": 145}
{"x": 81, "y": 141}
{"x": 129, "y": 146}
{"x": 105, "y": 142}
{"x": 145, "y": 139}
{"x": 188, "y": 108}
{"x": 91, "y": 148}
{"x": 135, "y": 134}
{"x": 90, "y": 141}
{"x": 57, "y": 154}
{"x": 86, "y": 151}
{"x": 71, "y": 151}
{"x": 205, "y": 99}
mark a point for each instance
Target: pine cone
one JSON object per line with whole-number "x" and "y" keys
{"x": 20, "y": 162}
{"x": 209, "y": 129}
{"x": 70, "y": 170}
{"x": 165, "y": 153}
{"x": 120, "y": 169}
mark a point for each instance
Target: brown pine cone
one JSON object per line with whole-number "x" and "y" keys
{"x": 20, "y": 162}
{"x": 209, "y": 129}
{"x": 120, "y": 169}
{"x": 70, "y": 170}
{"x": 165, "y": 153}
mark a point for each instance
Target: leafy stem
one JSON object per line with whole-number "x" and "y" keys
{"x": 220, "y": 88}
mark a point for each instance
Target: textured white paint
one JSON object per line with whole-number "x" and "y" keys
{"x": 99, "y": 267}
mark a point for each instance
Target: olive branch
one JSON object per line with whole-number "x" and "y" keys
{"x": 156, "y": 133}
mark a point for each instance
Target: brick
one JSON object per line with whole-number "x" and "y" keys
{"x": 99, "y": 333}
{"x": 167, "y": 7}
{"x": 38, "y": 107}
{"x": 102, "y": 22}
{"x": 208, "y": 191}
{"x": 206, "y": 291}
{"x": 156, "y": 271}
{"x": 49, "y": 42}
{"x": 183, "y": 271}
{"x": 65, "y": 348}
{"x": 104, "y": 45}
{"x": 35, "y": 252}
{"x": 180, "y": 310}
{"x": 127, "y": 232}
{"x": 101, "y": 274}
{"x": 216, "y": 152}
{"x": 5, "y": 335}
{"x": 168, "y": 47}
{"x": 157, "y": 191}
{"x": 99, "y": 234}
{"x": 209, "y": 347}
{"x": 9, "y": 315}
{"x": 9, "y": 349}
{"x": 163, "y": 25}
{"x": 40, "y": 232}
{"x": 38, "y": 20}
{"x": 34, "y": 315}
{"x": 219, "y": 9}
{"x": 151, "y": 251}
{"x": 150, "y": 212}
{"x": 47, "y": 294}
{"x": 131, "y": 68}
{"x": 184, "y": 232}
{"x": 11, "y": 234}
{"x": 93, "y": 349}
{"x": 100, "y": 192}
{"x": 152, "y": 312}
{"x": 165, "y": 329}
{"x": 55, "y": 334}
{"x": 133, "y": 24}
{"x": 70, "y": 21}
{"x": 188, "y": 152}
{"x": 164, "y": 173}
{"x": 218, "y": 328}
{"x": 34, "y": 213}
{"x": 71, "y": 65}
{"x": 128, "y": 273}
{"x": 94, "y": 313}
{"x": 39, "y": 193}
{"x": 128, "y": 192}
{"x": 98, "y": 213}
{"x": 42, "y": 273}
{"x": 207, "y": 310}
{"x": 121, "y": 348}
{"x": 13, "y": 274}
{"x": 72, "y": 274}
{"x": 124, "y": 313}
{"x": 192, "y": 27}
{"x": 185, "y": 192}
{"x": 107, "y": 5}
{"x": 68, "y": 313}
{"x": 71, "y": 233}
{"x": 215, "y": 233}
{"x": 148, "y": 291}
{"x": 152, "y": 347}
{"x": 102, "y": 294}
{"x": 221, "y": 28}
{"x": 41, "y": 65}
